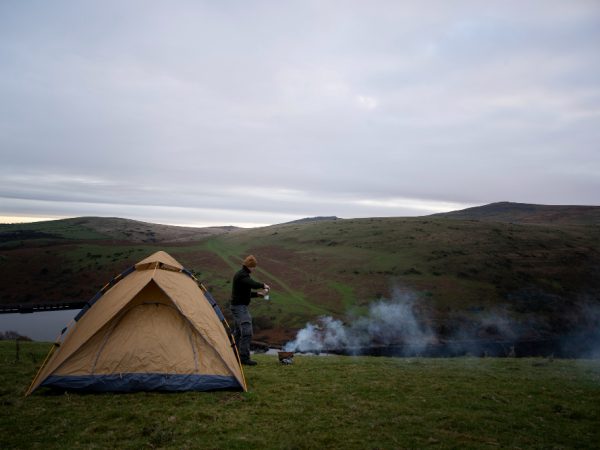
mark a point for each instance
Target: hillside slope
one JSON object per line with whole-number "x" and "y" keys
{"x": 464, "y": 278}
{"x": 463, "y": 272}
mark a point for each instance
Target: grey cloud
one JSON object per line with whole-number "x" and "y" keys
{"x": 193, "y": 104}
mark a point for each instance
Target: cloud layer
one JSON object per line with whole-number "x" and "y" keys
{"x": 260, "y": 112}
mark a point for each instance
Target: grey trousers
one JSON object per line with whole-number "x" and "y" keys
{"x": 242, "y": 330}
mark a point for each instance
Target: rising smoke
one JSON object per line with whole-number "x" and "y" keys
{"x": 394, "y": 326}
{"x": 388, "y": 322}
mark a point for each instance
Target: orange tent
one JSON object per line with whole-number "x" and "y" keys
{"x": 154, "y": 327}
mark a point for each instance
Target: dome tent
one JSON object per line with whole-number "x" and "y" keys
{"x": 153, "y": 327}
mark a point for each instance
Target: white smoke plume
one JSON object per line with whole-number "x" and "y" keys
{"x": 327, "y": 334}
{"x": 388, "y": 322}
{"x": 393, "y": 327}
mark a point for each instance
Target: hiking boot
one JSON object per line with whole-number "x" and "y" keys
{"x": 249, "y": 362}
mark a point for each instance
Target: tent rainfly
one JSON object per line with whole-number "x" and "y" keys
{"x": 153, "y": 327}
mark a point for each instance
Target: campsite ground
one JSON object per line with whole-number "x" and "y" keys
{"x": 320, "y": 402}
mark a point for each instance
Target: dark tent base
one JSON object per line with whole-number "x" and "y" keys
{"x": 132, "y": 382}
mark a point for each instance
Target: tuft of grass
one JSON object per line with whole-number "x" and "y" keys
{"x": 321, "y": 402}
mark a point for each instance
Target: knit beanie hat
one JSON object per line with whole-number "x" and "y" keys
{"x": 250, "y": 261}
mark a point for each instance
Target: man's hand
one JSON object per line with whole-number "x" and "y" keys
{"x": 267, "y": 286}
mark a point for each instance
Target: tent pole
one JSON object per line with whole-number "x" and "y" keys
{"x": 54, "y": 345}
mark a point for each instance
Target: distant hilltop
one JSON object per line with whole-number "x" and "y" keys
{"x": 524, "y": 213}
{"x": 312, "y": 219}
{"x": 107, "y": 228}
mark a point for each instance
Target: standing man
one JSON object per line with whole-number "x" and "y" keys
{"x": 241, "y": 293}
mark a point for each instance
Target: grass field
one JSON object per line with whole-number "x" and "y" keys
{"x": 320, "y": 402}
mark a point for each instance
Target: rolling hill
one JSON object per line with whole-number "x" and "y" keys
{"x": 473, "y": 276}
{"x": 529, "y": 214}
{"x": 105, "y": 228}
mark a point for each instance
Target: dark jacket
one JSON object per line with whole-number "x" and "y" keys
{"x": 241, "y": 289}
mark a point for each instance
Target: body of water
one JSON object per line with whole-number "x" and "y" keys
{"x": 39, "y": 326}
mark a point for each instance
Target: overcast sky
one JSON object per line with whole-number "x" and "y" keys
{"x": 259, "y": 112}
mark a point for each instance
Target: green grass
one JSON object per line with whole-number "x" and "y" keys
{"x": 290, "y": 300}
{"x": 347, "y": 293}
{"x": 230, "y": 255}
{"x": 320, "y": 402}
